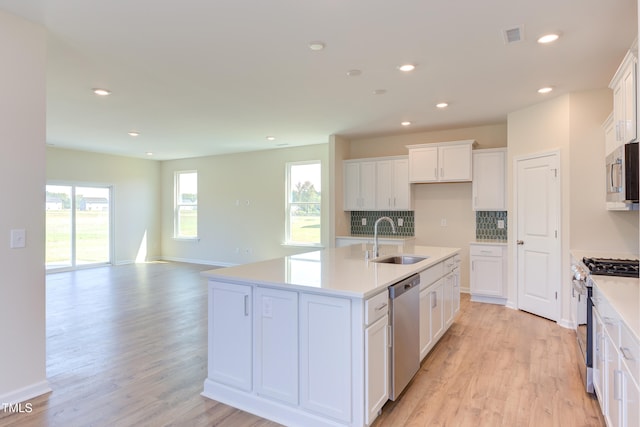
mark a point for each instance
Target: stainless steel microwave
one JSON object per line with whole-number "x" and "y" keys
{"x": 622, "y": 176}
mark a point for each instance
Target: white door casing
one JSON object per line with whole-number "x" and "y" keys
{"x": 537, "y": 202}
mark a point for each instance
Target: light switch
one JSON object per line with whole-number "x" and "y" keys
{"x": 18, "y": 238}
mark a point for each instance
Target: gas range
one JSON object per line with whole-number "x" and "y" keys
{"x": 612, "y": 267}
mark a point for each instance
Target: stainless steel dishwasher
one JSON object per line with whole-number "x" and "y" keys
{"x": 405, "y": 333}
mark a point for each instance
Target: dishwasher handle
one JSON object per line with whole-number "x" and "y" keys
{"x": 403, "y": 286}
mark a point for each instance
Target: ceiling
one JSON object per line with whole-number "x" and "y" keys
{"x": 205, "y": 77}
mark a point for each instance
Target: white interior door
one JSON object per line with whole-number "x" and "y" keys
{"x": 538, "y": 234}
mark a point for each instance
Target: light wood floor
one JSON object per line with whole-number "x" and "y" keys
{"x": 126, "y": 346}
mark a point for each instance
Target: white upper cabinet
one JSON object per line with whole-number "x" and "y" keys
{"x": 377, "y": 184}
{"x": 440, "y": 162}
{"x": 623, "y": 85}
{"x": 489, "y": 180}
{"x": 392, "y": 185}
{"x": 359, "y": 185}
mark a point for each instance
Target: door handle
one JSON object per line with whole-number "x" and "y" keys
{"x": 520, "y": 242}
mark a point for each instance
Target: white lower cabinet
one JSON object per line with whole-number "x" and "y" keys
{"x": 230, "y": 317}
{"x": 376, "y": 356}
{"x": 599, "y": 360}
{"x": 615, "y": 366}
{"x": 488, "y": 273}
{"x": 325, "y": 355}
{"x": 276, "y": 344}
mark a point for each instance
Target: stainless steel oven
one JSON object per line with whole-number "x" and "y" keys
{"x": 582, "y": 312}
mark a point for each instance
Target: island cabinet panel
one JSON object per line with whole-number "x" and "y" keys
{"x": 276, "y": 344}
{"x": 325, "y": 355}
{"x": 230, "y": 327}
{"x": 376, "y": 342}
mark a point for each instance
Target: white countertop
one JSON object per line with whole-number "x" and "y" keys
{"x": 623, "y": 295}
{"x": 336, "y": 271}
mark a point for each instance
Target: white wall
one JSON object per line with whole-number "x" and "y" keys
{"x": 231, "y": 233}
{"x": 593, "y": 227}
{"x": 136, "y": 196}
{"x": 22, "y": 165}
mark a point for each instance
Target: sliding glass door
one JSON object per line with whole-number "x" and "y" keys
{"x": 78, "y": 226}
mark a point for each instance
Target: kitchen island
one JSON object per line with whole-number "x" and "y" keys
{"x": 304, "y": 339}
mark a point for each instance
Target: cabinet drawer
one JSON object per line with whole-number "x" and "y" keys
{"x": 485, "y": 250}
{"x": 432, "y": 274}
{"x": 630, "y": 352}
{"x": 451, "y": 263}
{"x": 376, "y": 307}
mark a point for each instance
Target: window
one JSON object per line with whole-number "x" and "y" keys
{"x": 303, "y": 203}
{"x": 186, "y": 205}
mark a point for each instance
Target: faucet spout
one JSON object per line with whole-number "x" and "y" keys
{"x": 375, "y": 232}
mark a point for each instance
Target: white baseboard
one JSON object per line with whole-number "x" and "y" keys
{"x": 25, "y": 393}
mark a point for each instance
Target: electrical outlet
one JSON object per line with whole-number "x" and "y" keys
{"x": 501, "y": 223}
{"x": 400, "y": 222}
{"x": 443, "y": 222}
{"x": 18, "y": 238}
{"x": 364, "y": 221}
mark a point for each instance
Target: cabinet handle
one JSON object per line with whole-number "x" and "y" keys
{"x": 626, "y": 353}
{"x": 381, "y": 306}
{"x": 617, "y": 382}
{"x": 434, "y": 301}
{"x": 389, "y": 336}
{"x": 441, "y": 172}
{"x": 246, "y": 305}
{"x": 435, "y": 172}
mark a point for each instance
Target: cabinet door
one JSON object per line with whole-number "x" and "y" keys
{"x": 376, "y": 342}
{"x": 230, "y": 324}
{"x": 384, "y": 185}
{"x": 425, "y": 322}
{"x": 423, "y": 164}
{"x": 276, "y": 344}
{"x": 631, "y": 401}
{"x": 325, "y": 355}
{"x": 486, "y": 276}
{"x": 629, "y": 111}
{"x": 436, "y": 302}
{"x": 368, "y": 185}
{"x": 456, "y": 291}
{"x": 401, "y": 186}
{"x": 447, "y": 310}
{"x": 489, "y": 189}
{"x": 454, "y": 162}
{"x": 614, "y": 382}
{"x": 598, "y": 361}
{"x": 618, "y": 112}
{"x": 351, "y": 186}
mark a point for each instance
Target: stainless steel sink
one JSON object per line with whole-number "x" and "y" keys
{"x": 400, "y": 259}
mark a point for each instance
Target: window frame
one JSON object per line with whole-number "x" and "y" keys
{"x": 178, "y": 204}
{"x": 288, "y": 203}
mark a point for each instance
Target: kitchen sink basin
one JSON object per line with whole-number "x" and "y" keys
{"x": 400, "y": 259}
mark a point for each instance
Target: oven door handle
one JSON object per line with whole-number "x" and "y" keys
{"x": 580, "y": 287}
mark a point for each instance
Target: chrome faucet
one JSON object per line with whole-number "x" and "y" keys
{"x": 375, "y": 233}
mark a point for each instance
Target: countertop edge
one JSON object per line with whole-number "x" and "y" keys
{"x": 402, "y": 273}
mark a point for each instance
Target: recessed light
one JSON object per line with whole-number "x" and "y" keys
{"x": 271, "y": 138}
{"x": 316, "y": 45}
{"x": 548, "y": 38}
{"x": 354, "y": 73}
{"x": 442, "y": 105}
{"x": 379, "y": 91}
{"x": 149, "y": 153}
{"x": 544, "y": 90}
{"x": 407, "y": 67}
{"x": 405, "y": 123}
{"x": 133, "y": 133}
{"x": 101, "y": 92}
